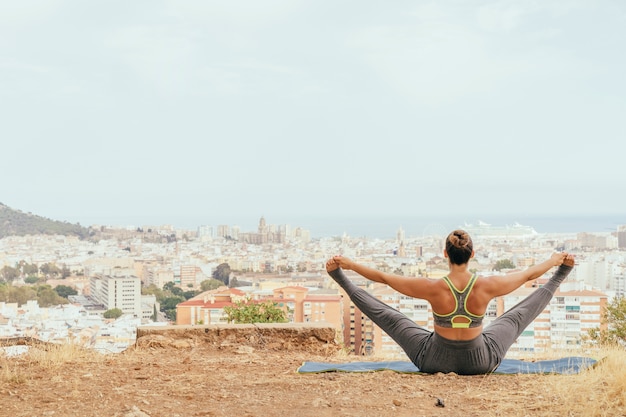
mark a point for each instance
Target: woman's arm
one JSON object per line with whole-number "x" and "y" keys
{"x": 414, "y": 287}
{"x": 499, "y": 285}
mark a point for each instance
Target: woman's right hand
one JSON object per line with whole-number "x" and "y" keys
{"x": 331, "y": 265}
{"x": 557, "y": 258}
{"x": 338, "y": 261}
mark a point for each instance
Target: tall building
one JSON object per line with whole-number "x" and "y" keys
{"x": 596, "y": 273}
{"x": 619, "y": 287}
{"x": 621, "y": 236}
{"x": 157, "y": 275}
{"x": 223, "y": 230}
{"x": 400, "y": 235}
{"x": 357, "y": 330}
{"x": 123, "y": 292}
{"x": 205, "y": 233}
{"x": 190, "y": 276}
{"x": 562, "y": 324}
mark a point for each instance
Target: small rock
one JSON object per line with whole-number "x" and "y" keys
{"x": 135, "y": 412}
{"x": 245, "y": 350}
{"x": 320, "y": 402}
{"x": 181, "y": 344}
{"x": 397, "y": 403}
{"x": 440, "y": 403}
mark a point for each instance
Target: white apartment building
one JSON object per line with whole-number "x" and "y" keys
{"x": 562, "y": 324}
{"x": 205, "y": 233}
{"x": 122, "y": 292}
{"x": 596, "y": 272}
{"x": 619, "y": 290}
{"x": 149, "y": 307}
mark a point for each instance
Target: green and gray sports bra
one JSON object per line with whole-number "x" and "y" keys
{"x": 468, "y": 319}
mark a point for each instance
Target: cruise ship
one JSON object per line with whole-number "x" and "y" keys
{"x": 487, "y": 230}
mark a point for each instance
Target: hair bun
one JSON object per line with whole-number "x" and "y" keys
{"x": 459, "y": 247}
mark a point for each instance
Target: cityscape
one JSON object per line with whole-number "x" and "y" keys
{"x": 127, "y": 267}
{"x": 171, "y": 163}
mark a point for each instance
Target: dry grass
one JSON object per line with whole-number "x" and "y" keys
{"x": 159, "y": 378}
{"x": 600, "y": 391}
{"x": 45, "y": 356}
{"x": 596, "y": 392}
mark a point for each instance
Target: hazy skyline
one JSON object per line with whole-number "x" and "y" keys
{"x": 170, "y": 110}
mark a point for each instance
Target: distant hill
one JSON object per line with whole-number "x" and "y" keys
{"x": 17, "y": 223}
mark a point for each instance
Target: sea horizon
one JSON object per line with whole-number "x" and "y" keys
{"x": 385, "y": 227}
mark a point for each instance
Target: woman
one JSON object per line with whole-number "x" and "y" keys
{"x": 459, "y": 301}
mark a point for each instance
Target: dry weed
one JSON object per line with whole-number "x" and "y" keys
{"x": 48, "y": 356}
{"x": 599, "y": 391}
{"x": 160, "y": 380}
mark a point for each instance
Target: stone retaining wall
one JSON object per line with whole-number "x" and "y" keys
{"x": 310, "y": 337}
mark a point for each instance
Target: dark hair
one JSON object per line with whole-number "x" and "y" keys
{"x": 459, "y": 247}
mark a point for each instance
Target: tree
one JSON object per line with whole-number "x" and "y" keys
{"x": 65, "y": 272}
{"x": 251, "y": 312}
{"x": 190, "y": 294}
{"x": 153, "y": 290}
{"x": 29, "y": 269}
{"x": 8, "y": 273}
{"x": 43, "y": 294}
{"x": 168, "y": 297}
{"x": 614, "y": 319}
{"x": 210, "y": 284}
{"x": 504, "y": 264}
{"x": 31, "y": 279}
{"x": 50, "y": 269}
{"x": 20, "y": 295}
{"x": 65, "y": 291}
{"x": 173, "y": 289}
{"x": 47, "y": 297}
{"x": 113, "y": 313}
{"x": 168, "y": 306}
{"x": 222, "y": 273}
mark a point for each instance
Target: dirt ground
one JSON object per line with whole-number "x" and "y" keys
{"x": 166, "y": 377}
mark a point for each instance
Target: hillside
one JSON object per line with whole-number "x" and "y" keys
{"x": 182, "y": 376}
{"x": 17, "y": 223}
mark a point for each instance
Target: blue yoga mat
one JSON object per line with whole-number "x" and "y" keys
{"x": 567, "y": 365}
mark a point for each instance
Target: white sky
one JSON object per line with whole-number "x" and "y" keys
{"x": 163, "y": 109}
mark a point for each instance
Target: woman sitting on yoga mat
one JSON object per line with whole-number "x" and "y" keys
{"x": 459, "y": 301}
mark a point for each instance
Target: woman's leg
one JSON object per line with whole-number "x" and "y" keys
{"x": 404, "y": 331}
{"x": 504, "y": 330}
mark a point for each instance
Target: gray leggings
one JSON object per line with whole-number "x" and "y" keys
{"x": 433, "y": 353}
